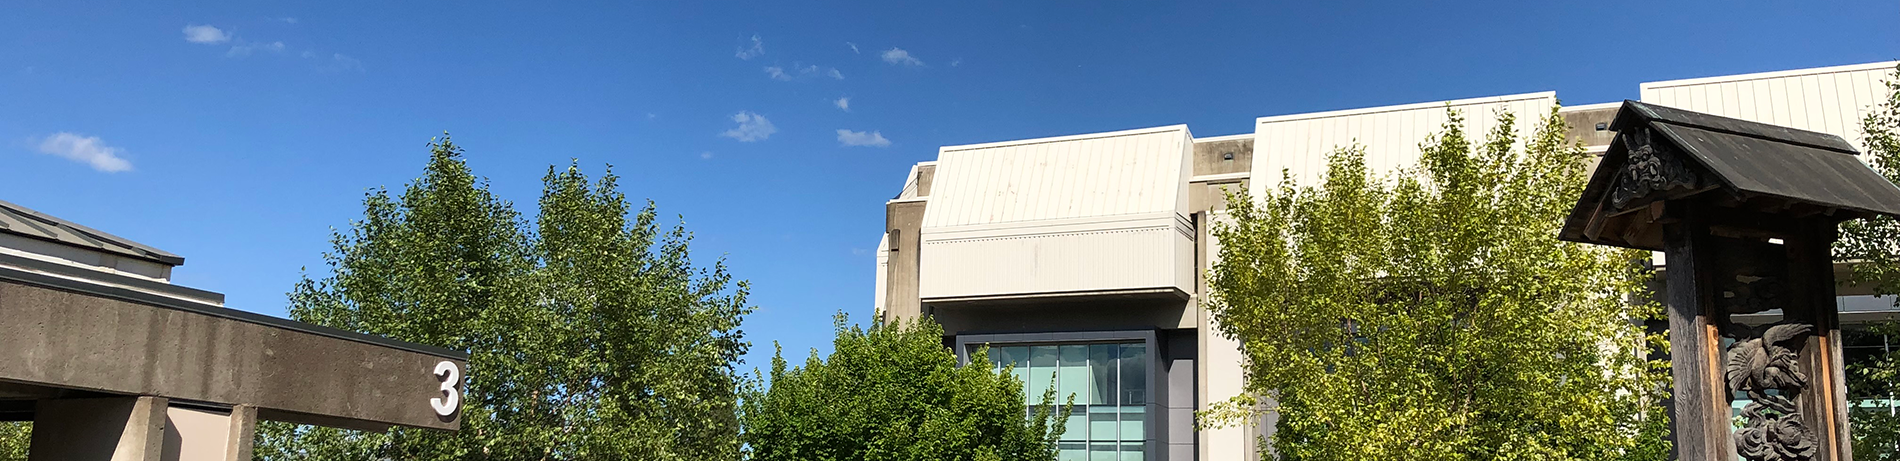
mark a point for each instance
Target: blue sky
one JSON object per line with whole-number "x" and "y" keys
{"x": 239, "y": 145}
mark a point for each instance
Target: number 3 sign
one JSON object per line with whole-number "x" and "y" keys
{"x": 451, "y": 400}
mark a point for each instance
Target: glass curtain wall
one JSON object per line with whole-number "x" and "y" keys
{"x": 1109, "y": 382}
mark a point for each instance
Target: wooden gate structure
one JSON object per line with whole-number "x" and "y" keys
{"x": 1746, "y": 214}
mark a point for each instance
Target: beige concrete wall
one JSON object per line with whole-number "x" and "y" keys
{"x": 1221, "y": 370}
{"x": 193, "y": 434}
{"x": 70, "y": 340}
{"x": 1582, "y": 121}
{"x": 903, "y": 223}
{"x": 1211, "y": 157}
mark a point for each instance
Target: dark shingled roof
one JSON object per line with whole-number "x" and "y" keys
{"x": 1749, "y": 159}
{"x": 23, "y": 221}
{"x": 1771, "y": 160}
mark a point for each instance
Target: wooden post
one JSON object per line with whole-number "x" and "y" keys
{"x": 1701, "y": 404}
{"x": 1811, "y": 277}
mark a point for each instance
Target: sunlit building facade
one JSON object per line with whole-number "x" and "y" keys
{"x": 1080, "y": 260}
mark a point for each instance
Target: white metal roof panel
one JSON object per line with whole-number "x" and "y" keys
{"x": 1299, "y": 143}
{"x": 1829, "y": 100}
{"x": 1101, "y": 174}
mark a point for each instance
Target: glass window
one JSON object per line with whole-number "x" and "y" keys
{"x": 1102, "y": 420}
{"x": 1132, "y": 452}
{"x": 1074, "y": 381}
{"x": 1019, "y": 357}
{"x": 1132, "y": 419}
{"x": 1077, "y": 427}
{"x": 1072, "y": 451}
{"x": 1102, "y": 369}
{"x": 1042, "y": 371}
{"x": 1109, "y": 382}
{"x": 1134, "y": 367}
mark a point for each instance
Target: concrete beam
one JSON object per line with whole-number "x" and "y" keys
{"x": 72, "y": 340}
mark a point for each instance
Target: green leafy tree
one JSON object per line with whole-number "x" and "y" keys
{"x": 647, "y": 343}
{"x": 1434, "y": 314}
{"x": 14, "y": 437}
{"x": 1873, "y": 245}
{"x": 593, "y": 338}
{"x": 894, "y": 392}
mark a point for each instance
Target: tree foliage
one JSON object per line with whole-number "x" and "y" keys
{"x": 1874, "y": 247}
{"x": 591, "y": 334}
{"x": 1433, "y": 314}
{"x": 894, "y": 392}
{"x": 14, "y": 437}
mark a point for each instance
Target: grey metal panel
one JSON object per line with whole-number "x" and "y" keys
{"x": 116, "y": 279}
{"x": 19, "y": 220}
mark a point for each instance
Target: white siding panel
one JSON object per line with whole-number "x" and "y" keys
{"x": 1145, "y": 252}
{"x": 1097, "y": 212}
{"x": 1390, "y": 135}
{"x": 1829, "y": 100}
{"x": 883, "y": 275}
{"x": 1107, "y": 174}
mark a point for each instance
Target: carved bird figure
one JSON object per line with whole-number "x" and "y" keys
{"x": 1769, "y": 361}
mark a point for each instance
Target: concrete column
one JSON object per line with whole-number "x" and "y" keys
{"x": 243, "y": 433}
{"x": 100, "y": 429}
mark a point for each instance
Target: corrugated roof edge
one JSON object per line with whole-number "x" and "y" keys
{"x": 150, "y": 253}
{"x": 1110, "y": 134}
{"x": 1772, "y": 74}
{"x": 1405, "y": 107}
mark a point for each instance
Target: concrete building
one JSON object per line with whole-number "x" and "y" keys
{"x": 111, "y": 361}
{"x": 1081, "y": 258}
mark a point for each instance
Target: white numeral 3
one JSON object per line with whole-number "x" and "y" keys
{"x": 450, "y": 399}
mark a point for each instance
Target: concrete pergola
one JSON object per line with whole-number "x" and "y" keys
{"x": 113, "y": 362}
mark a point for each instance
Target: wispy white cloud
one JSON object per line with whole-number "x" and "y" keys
{"x": 854, "y": 47}
{"x": 800, "y": 71}
{"x": 859, "y": 138}
{"x": 287, "y": 20}
{"x": 706, "y": 155}
{"x": 337, "y": 62}
{"x": 244, "y": 48}
{"x": 900, "y": 57}
{"x": 752, "y": 127}
{"x": 207, "y": 35}
{"x": 956, "y": 62}
{"x": 85, "y": 149}
{"x": 757, "y": 49}
{"x": 843, "y": 103}
{"x": 777, "y": 73}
